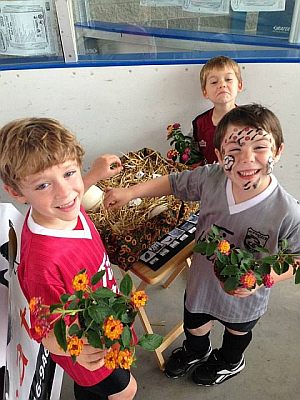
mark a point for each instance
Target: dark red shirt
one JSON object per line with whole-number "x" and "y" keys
{"x": 203, "y": 133}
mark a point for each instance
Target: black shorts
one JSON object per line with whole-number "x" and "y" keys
{"x": 195, "y": 320}
{"x": 117, "y": 381}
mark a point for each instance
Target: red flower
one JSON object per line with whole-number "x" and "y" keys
{"x": 172, "y": 154}
{"x": 176, "y": 125}
{"x": 268, "y": 280}
{"x": 185, "y": 157}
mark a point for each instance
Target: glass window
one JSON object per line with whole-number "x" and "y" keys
{"x": 185, "y": 30}
{"x": 28, "y": 32}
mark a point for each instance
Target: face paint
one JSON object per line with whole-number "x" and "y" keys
{"x": 228, "y": 163}
{"x": 270, "y": 165}
{"x": 247, "y": 134}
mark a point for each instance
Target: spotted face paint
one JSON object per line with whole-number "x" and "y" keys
{"x": 270, "y": 165}
{"x": 248, "y": 157}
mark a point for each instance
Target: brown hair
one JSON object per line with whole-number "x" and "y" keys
{"x": 219, "y": 62}
{"x": 252, "y": 115}
{"x": 31, "y": 145}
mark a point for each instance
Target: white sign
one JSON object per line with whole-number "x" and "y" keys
{"x": 30, "y": 372}
{"x": 207, "y": 6}
{"x": 27, "y": 28}
{"x": 161, "y": 3}
{"x": 258, "y": 5}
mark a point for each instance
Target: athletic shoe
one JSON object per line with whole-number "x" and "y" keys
{"x": 182, "y": 361}
{"x": 216, "y": 370}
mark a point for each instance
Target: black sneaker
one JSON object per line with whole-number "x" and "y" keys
{"x": 216, "y": 370}
{"x": 182, "y": 361}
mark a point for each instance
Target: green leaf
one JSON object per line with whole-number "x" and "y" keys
{"x": 74, "y": 330}
{"x": 126, "y": 285}
{"x": 103, "y": 293}
{"x": 73, "y": 305}
{"x": 97, "y": 277}
{"x": 228, "y": 270}
{"x": 276, "y": 268}
{"x": 261, "y": 249}
{"x": 94, "y": 339}
{"x": 128, "y": 317}
{"x": 211, "y": 247}
{"x": 150, "y": 341}
{"x": 53, "y": 307}
{"x": 60, "y": 334}
{"x": 65, "y": 297}
{"x": 215, "y": 230}
{"x": 265, "y": 269}
{"x": 200, "y": 247}
{"x": 234, "y": 259}
{"x": 269, "y": 259}
{"x": 231, "y": 284}
{"x": 99, "y": 314}
{"x": 222, "y": 258}
{"x": 126, "y": 336}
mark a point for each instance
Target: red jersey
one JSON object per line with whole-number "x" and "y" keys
{"x": 48, "y": 262}
{"x": 203, "y": 133}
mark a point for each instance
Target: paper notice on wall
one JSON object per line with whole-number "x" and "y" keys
{"x": 207, "y": 6}
{"x": 161, "y": 3}
{"x": 27, "y": 28}
{"x": 258, "y": 5}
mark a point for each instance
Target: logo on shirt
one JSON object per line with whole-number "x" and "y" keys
{"x": 202, "y": 143}
{"x": 254, "y": 239}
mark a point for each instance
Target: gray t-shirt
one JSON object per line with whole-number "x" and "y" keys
{"x": 261, "y": 221}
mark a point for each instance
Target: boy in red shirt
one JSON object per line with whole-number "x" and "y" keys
{"x": 40, "y": 164}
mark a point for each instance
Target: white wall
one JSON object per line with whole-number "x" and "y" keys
{"x": 117, "y": 109}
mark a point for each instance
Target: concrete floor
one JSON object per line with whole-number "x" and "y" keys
{"x": 272, "y": 359}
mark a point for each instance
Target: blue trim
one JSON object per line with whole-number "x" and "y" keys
{"x": 229, "y": 38}
{"x": 168, "y": 58}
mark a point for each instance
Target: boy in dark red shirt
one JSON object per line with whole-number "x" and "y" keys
{"x": 221, "y": 82}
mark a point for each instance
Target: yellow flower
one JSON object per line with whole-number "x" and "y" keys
{"x": 139, "y": 298}
{"x": 224, "y": 247}
{"x": 80, "y": 281}
{"x": 74, "y": 345}
{"x": 125, "y": 359}
{"x": 113, "y": 328}
{"x": 35, "y": 304}
{"x": 111, "y": 359}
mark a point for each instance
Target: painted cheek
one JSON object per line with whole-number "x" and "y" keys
{"x": 270, "y": 165}
{"x": 228, "y": 163}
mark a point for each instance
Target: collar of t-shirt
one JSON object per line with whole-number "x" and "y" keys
{"x": 236, "y": 208}
{"x": 81, "y": 231}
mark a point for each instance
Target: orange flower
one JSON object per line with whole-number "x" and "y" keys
{"x": 111, "y": 359}
{"x": 74, "y": 345}
{"x": 113, "y": 328}
{"x": 224, "y": 247}
{"x": 40, "y": 329}
{"x": 125, "y": 359}
{"x": 80, "y": 281}
{"x": 139, "y": 298}
{"x": 169, "y": 131}
{"x": 35, "y": 305}
{"x": 248, "y": 280}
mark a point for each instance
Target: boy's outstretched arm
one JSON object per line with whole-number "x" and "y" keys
{"x": 90, "y": 357}
{"x": 241, "y": 292}
{"x": 116, "y": 198}
{"x": 103, "y": 167}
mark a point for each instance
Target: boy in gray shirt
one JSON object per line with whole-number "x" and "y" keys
{"x": 241, "y": 196}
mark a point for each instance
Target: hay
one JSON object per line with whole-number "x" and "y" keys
{"x": 139, "y": 167}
